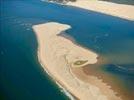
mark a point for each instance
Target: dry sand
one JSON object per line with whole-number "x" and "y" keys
{"x": 57, "y": 56}
{"x": 119, "y": 10}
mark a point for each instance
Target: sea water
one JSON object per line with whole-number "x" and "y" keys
{"x": 21, "y": 75}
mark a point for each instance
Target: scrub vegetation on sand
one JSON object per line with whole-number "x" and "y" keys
{"x": 80, "y": 62}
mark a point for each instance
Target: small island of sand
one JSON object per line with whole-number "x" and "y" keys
{"x": 59, "y": 56}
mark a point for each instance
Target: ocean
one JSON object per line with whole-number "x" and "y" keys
{"x": 21, "y": 75}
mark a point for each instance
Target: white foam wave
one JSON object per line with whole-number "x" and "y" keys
{"x": 65, "y": 91}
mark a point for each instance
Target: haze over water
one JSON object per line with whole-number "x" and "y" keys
{"x": 22, "y": 77}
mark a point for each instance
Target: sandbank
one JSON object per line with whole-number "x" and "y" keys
{"x": 57, "y": 56}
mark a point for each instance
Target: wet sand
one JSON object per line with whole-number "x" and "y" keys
{"x": 112, "y": 81}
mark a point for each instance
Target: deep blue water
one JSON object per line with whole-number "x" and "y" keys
{"x": 21, "y": 76}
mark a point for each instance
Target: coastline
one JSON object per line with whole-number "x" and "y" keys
{"x": 63, "y": 88}
{"x": 54, "y": 55}
{"x": 113, "y": 9}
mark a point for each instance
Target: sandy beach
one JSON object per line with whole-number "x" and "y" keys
{"x": 118, "y": 10}
{"x": 60, "y": 57}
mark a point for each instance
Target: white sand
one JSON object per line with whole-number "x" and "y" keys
{"x": 57, "y": 54}
{"x": 119, "y": 10}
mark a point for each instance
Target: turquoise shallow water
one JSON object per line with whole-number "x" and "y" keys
{"x": 21, "y": 76}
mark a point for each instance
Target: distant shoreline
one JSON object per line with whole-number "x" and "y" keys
{"x": 118, "y": 10}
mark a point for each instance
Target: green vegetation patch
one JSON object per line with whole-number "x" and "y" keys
{"x": 80, "y": 62}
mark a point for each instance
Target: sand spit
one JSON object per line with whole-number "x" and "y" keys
{"x": 119, "y": 10}
{"x": 58, "y": 55}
